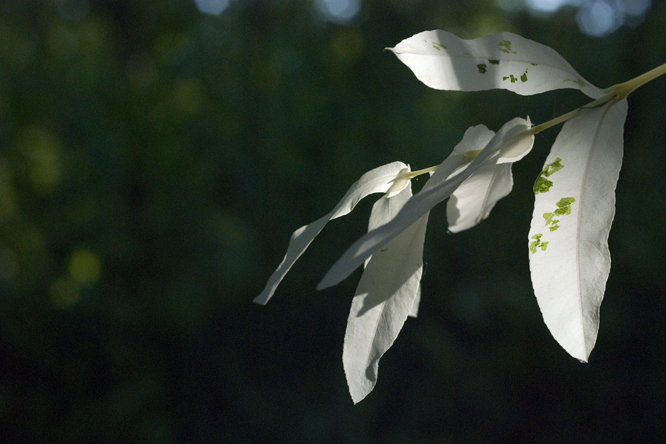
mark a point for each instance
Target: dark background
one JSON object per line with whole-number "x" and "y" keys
{"x": 154, "y": 161}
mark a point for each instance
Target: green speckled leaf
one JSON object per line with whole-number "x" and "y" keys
{"x": 568, "y": 239}
{"x": 504, "y": 60}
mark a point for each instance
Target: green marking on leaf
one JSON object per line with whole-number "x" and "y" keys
{"x": 542, "y": 184}
{"x": 470, "y": 155}
{"x": 482, "y": 68}
{"x": 564, "y": 206}
{"x": 523, "y": 78}
{"x": 553, "y": 167}
{"x": 514, "y": 79}
{"x": 438, "y": 46}
{"x": 577, "y": 82}
{"x": 563, "y": 209}
{"x": 505, "y": 46}
{"x": 549, "y": 220}
{"x": 493, "y": 62}
{"x": 534, "y": 64}
{"x": 536, "y": 243}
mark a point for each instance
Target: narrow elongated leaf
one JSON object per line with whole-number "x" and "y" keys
{"x": 512, "y": 137}
{"x": 378, "y": 180}
{"x": 573, "y": 212}
{"x": 384, "y": 298}
{"x": 504, "y": 60}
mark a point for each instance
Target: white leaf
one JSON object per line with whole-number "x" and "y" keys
{"x": 385, "y": 296}
{"x": 438, "y": 188}
{"x": 414, "y": 312}
{"x": 573, "y": 212}
{"x": 476, "y": 197}
{"x": 474, "y": 137}
{"x": 504, "y": 60}
{"x": 378, "y": 180}
{"x": 382, "y": 214}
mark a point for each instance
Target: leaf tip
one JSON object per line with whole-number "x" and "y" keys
{"x": 358, "y": 394}
{"x": 260, "y": 300}
{"x": 324, "y": 284}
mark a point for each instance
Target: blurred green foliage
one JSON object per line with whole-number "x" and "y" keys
{"x": 154, "y": 161}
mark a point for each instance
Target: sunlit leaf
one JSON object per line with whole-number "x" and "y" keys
{"x": 478, "y": 194}
{"x": 378, "y": 180}
{"x": 573, "y": 212}
{"x": 476, "y": 197}
{"x": 503, "y": 60}
{"x": 385, "y": 296}
{"x": 510, "y": 138}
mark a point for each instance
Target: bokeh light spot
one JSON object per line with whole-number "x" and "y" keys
{"x": 212, "y": 7}
{"x": 340, "y": 11}
{"x": 545, "y": 5}
{"x": 84, "y": 267}
{"x": 42, "y": 151}
{"x": 594, "y": 17}
{"x": 598, "y": 20}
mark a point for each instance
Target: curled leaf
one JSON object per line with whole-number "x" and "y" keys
{"x": 378, "y": 180}
{"x": 438, "y": 188}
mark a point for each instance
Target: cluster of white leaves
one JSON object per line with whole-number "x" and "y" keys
{"x": 573, "y": 212}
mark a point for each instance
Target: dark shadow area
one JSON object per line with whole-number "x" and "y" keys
{"x": 154, "y": 161}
